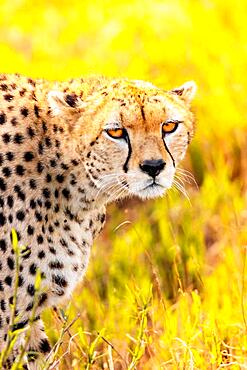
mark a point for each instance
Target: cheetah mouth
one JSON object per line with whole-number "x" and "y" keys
{"x": 152, "y": 190}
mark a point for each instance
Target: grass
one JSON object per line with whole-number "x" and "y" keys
{"x": 166, "y": 285}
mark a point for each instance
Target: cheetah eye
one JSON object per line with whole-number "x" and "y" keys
{"x": 116, "y": 133}
{"x": 169, "y": 126}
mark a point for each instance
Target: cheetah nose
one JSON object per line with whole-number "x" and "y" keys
{"x": 153, "y": 166}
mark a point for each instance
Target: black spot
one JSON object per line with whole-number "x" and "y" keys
{"x": 58, "y": 144}
{"x": 56, "y": 264}
{"x": 40, "y": 239}
{"x": 33, "y": 269}
{"x": 60, "y": 178}
{"x": 40, "y": 167}
{"x": 52, "y": 250}
{"x": 38, "y": 216}
{"x": 47, "y": 204}
{"x": 46, "y": 193}
{"x": 51, "y": 229}
{"x": 3, "y": 245}
{"x": 32, "y": 184}
{"x": 36, "y": 111}
{"x": 2, "y": 219}
{"x": 21, "y": 281}
{"x": 45, "y": 129}
{"x": 30, "y": 230}
{"x": 21, "y": 195}
{"x": 10, "y": 156}
{"x": 42, "y": 298}
{"x": 6, "y": 138}
{"x": 48, "y": 178}
{"x": 6, "y": 171}
{"x": 30, "y": 132}
{"x": 17, "y": 188}
{"x": 74, "y": 162}
{"x": 8, "y": 280}
{"x": 41, "y": 255}
{"x": 20, "y": 215}
{"x": 11, "y": 299}
{"x": 20, "y": 170}
{"x": 2, "y": 184}
{"x": 44, "y": 346}
{"x": 39, "y": 201}
{"x": 4, "y": 87}
{"x": 64, "y": 166}
{"x": 32, "y": 204}
{"x": 48, "y": 142}
{"x": 41, "y": 148}
{"x": 53, "y": 163}
{"x": 66, "y": 193}
{"x": 29, "y": 306}
{"x": 24, "y": 112}
{"x": 59, "y": 280}
{"x": 3, "y": 305}
{"x": 18, "y": 138}
{"x": 28, "y": 156}
{"x": 31, "y": 290}
{"x": 2, "y": 118}
{"x": 10, "y": 201}
{"x": 11, "y": 263}
{"x": 63, "y": 243}
{"x": 19, "y": 325}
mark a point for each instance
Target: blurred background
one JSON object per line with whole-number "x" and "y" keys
{"x": 166, "y": 283}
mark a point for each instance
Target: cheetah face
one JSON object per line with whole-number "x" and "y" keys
{"x": 134, "y": 136}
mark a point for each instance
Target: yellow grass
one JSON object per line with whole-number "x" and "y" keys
{"x": 166, "y": 286}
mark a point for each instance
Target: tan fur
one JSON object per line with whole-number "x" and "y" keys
{"x": 59, "y": 168}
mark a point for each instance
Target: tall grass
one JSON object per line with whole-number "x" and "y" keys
{"x": 166, "y": 286}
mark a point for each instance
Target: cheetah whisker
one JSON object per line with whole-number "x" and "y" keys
{"x": 181, "y": 188}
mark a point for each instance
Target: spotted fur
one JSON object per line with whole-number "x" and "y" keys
{"x": 58, "y": 170}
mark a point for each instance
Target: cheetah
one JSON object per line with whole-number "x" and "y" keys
{"x": 67, "y": 149}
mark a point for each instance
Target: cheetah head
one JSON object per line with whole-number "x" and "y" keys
{"x": 131, "y": 135}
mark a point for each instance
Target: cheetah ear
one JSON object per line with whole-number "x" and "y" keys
{"x": 60, "y": 102}
{"x": 186, "y": 91}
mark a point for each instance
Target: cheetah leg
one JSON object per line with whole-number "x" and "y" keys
{"x": 38, "y": 346}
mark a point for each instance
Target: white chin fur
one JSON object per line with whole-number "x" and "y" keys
{"x": 151, "y": 192}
